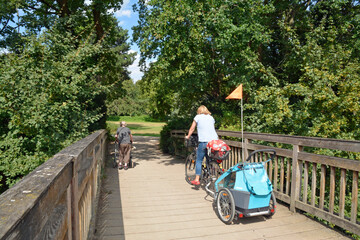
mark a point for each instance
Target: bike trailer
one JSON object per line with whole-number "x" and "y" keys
{"x": 252, "y": 189}
{"x": 246, "y": 186}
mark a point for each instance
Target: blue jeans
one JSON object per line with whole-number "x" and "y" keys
{"x": 200, "y": 154}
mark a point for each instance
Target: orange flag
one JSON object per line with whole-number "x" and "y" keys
{"x": 236, "y": 94}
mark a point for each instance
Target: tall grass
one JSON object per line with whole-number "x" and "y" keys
{"x": 142, "y": 118}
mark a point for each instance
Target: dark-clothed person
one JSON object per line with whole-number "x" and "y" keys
{"x": 124, "y": 138}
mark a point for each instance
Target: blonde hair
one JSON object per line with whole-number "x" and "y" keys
{"x": 203, "y": 110}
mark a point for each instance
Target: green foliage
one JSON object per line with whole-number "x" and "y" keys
{"x": 298, "y": 63}
{"x": 201, "y": 50}
{"x": 47, "y": 94}
{"x": 26, "y": 17}
{"x": 175, "y": 122}
{"x": 324, "y": 100}
{"x": 63, "y": 60}
{"x": 130, "y": 103}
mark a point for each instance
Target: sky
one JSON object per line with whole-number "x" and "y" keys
{"x": 128, "y": 18}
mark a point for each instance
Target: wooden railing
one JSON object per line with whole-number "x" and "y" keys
{"x": 316, "y": 184}
{"x": 58, "y": 200}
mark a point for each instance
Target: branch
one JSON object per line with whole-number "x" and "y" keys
{"x": 49, "y": 5}
{"x": 64, "y": 10}
{"x": 41, "y": 11}
{"x": 5, "y": 25}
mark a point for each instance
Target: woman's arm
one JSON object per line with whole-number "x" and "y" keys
{"x": 191, "y": 130}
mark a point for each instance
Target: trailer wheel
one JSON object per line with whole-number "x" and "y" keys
{"x": 272, "y": 205}
{"x": 225, "y": 206}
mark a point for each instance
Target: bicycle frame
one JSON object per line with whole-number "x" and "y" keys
{"x": 209, "y": 170}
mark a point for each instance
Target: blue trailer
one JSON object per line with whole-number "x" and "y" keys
{"x": 245, "y": 190}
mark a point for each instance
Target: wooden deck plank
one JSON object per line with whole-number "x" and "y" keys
{"x": 153, "y": 201}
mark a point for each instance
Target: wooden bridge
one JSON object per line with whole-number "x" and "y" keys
{"x": 59, "y": 200}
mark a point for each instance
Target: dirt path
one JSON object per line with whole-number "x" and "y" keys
{"x": 153, "y": 201}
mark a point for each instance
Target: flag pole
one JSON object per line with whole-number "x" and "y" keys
{"x": 242, "y": 132}
{"x": 238, "y": 94}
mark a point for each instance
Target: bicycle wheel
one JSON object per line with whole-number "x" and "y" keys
{"x": 116, "y": 152}
{"x": 190, "y": 163}
{"x": 215, "y": 173}
{"x": 225, "y": 206}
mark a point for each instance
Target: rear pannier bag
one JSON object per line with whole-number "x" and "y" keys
{"x": 218, "y": 149}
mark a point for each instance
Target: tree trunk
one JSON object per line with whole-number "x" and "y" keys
{"x": 97, "y": 22}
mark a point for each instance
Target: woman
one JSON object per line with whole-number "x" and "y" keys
{"x": 205, "y": 124}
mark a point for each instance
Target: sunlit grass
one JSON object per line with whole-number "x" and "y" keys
{"x": 139, "y": 125}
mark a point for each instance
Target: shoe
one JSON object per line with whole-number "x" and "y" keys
{"x": 120, "y": 167}
{"x": 194, "y": 182}
{"x": 126, "y": 167}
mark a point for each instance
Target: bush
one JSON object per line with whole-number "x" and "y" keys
{"x": 175, "y": 123}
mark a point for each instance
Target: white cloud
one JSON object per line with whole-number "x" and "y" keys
{"x": 125, "y": 11}
{"x": 4, "y": 51}
{"x": 134, "y": 69}
{"x": 121, "y": 13}
{"x": 125, "y": 3}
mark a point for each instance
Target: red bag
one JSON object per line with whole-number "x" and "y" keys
{"x": 218, "y": 149}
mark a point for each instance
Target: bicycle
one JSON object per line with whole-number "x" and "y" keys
{"x": 210, "y": 170}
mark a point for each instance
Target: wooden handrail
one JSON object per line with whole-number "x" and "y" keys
{"x": 58, "y": 199}
{"x": 306, "y": 181}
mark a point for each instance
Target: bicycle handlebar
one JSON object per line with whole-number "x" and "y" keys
{"x": 262, "y": 150}
{"x": 191, "y": 142}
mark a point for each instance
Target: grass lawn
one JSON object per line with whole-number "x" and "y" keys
{"x": 139, "y": 125}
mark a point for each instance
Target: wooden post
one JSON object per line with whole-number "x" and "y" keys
{"x": 342, "y": 193}
{"x": 332, "y": 190}
{"x": 313, "y": 185}
{"x": 322, "y": 186}
{"x": 306, "y": 182}
{"x": 69, "y": 212}
{"x": 75, "y": 205}
{"x": 288, "y": 171}
{"x": 354, "y": 198}
{"x": 295, "y": 178}
{"x": 276, "y": 173}
{"x": 282, "y": 174}
{"x": 245, "y": 149}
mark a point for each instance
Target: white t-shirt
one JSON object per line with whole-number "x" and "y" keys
{"x": 205, "y": 127}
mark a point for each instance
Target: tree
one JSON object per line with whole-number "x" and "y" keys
{"x": 319, "y": 72}
{"x": 131, "y": 101}
{"x": 55, "y": 77}
{"x": 203, "y": 49}
{"x": 74, "y": 17}
{"x": 285, "y": 53}
{"x": 46, "y": 97}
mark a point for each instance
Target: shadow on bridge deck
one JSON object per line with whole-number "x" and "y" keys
{"x": 153, "y": 201}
